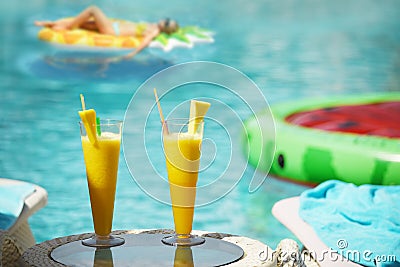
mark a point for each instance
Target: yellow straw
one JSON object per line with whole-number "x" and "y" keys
{"x": 159, "y": 106}
{"x": 165, "y": 128}
{"x": 83, "y": 102}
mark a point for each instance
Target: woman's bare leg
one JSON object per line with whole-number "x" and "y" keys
{"x": 61, "y": 24}
{"x": 94, "y": 15}
{"x": 44, "y": 23}
{"x": 92, "y": 18}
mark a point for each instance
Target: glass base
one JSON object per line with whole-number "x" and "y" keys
{"x": 183, "y": 240}
{"x": 103, "y": 241}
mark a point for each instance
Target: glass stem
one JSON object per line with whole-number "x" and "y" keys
{"x": 102, "y": 237}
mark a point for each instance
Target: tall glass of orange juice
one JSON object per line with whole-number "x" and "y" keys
{"x": 101, "y": 159}
{"x": 182, "y": 149}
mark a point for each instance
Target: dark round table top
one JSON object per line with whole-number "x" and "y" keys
{"x": 254, "y": 251}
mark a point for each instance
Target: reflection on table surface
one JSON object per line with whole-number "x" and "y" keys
{"x": 103, "y": 257}
{"x": 183, "y": 257}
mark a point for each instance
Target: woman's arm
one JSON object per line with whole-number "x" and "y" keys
{"x": 150, "y": 35}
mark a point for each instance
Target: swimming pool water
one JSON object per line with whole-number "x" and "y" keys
{"x": 290, "y": 49}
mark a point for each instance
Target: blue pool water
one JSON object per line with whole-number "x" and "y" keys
{"x": 290, "y": 49}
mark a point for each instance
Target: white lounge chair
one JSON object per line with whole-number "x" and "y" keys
{"x": 287, "y": 212}
{"x": 18, "y": 237}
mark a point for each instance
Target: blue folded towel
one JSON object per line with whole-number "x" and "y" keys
{"x": 362, "y": 223}
{"x": 12, "y": 198}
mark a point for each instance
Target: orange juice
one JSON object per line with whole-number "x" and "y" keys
{"x": 182, "y": 153}
{"x": 101, "y": 162}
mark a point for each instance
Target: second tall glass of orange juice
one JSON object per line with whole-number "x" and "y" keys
{"x": 101, "y": 159}
{"x": 182, "y": 154}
